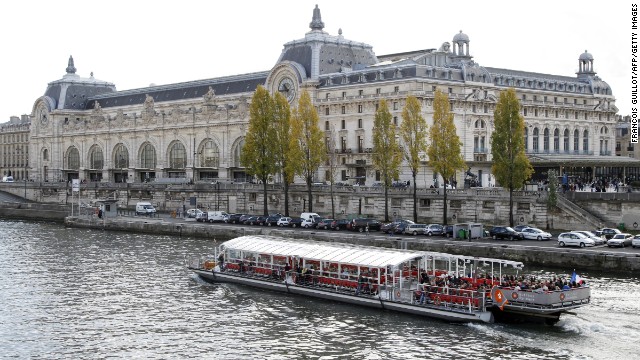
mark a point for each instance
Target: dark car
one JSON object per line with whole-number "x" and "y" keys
{"x": 504, "y": 232}
{"x": 261, "y": 220}
{"x": 608, "y": 233}
{"x": 272, "y": 220}
{"x": 447, "y": 230}
{"x": 243, "y": 219}
{"x": 234, "y": 218}
{"x": 340, "y": 224}
{"x": 295, "y": 222}
{"x": 399, "y": 229}
{"x": 391, "y": 227}
{"x": 361, "y": 224}
{"x": 251, "y": 220}
{"x": 324, "y": 224}
{"x": 519, "y": 228}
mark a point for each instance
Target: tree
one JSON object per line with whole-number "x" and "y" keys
{"x": 282, "y": 128}
{"x": 259, "y": 148}
{"x": 306, "y": 151}
{"x": 511, "y": 166}
{"x": 414, "y": 135}
{"x": 444, "y": 152}
{"x": 332, "y": 162}
{"x": 387, "y": 154}
{"x": 552, "y": 198}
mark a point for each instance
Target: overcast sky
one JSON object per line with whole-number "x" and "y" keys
{"x": 136, "y": 43}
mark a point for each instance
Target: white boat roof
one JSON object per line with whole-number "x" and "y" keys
{"x": 312, "y": 250}
{"x": 343, "y": 253}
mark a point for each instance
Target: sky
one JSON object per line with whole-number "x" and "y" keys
{"x": 133, "y": 44}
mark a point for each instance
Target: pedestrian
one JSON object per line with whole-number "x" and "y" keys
{"x": 221, "y": 261}
{"x": 366, "y": 229}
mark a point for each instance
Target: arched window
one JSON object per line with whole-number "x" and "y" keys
{"x": 585, "y": 141}
{"x": 121, "y": 157}
{"x": 556, "y": 140}
{"x": 45, "y": 155}
{"x": 479, "y": 124}
{"x": 73, "y": 158}
{"x": 209, "y": 154}
{"x": 546, "y": 140}
{"x": 576, "y": 140}
{"x": 565, "y": 141}
{"x": 96, "y": 160}
{"x": 237, "y": 151}
{"x": 147, "y": 156}
{"x": 535, "y": 144}
{"x": 177, "y": 156}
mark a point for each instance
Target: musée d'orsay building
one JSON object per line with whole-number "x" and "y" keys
{"x": 84, "y": 128}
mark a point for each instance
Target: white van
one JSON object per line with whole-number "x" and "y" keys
{"x": 216, "y": 216}
{"x": 145, "y": 208}
{"x": 309, "y": 216}
{"x": 7, "y": 179}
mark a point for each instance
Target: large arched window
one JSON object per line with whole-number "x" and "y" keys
{"x": 177, "y": 156}
{"x": 96, "y": 160}
{"x": 209, "y": 155}
{"x": 546, "y": 140}
{"x": 120, "y": 157}
{"x": 576, "y": 140}
{"x": 556, "y": 140}
{"x": 585, "y": 141}
{"x": 147, "y": 156}
{"x": 535, "y": 144}
{"x": 73, "y": 158}
{"x": 237, "y": 151}
{"x": 565, "y": 141}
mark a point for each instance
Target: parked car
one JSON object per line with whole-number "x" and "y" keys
{"x": 272, "y": 220}
{"x": 599, "y": 240}
{"x": 519, "y": 228}
{"x": 295, "y": 222}
{"x": 243, "y": 219}
{"x": 251, "y": 220}
{"x": 284, "y": 221}
{"x": 340, "y": 224}
{"x": 608, "y": 233}
{"x": 324, "y": 224}
{"x": 574, "y": 239}
{"x": 414, "y": 229}
{"x": 635, "y": 242}
{"x": 390, "y": 227}
{"x": 307, "y": 223}
{"x": 433, "y": 229}
{"x": 448, "y": 230}
{"x": 622, "y": 240}
{"x": 530, "y": 233}
{"x": 360, "y": 224}
{"x": 193, "y": 213}
{"x": 504, "y": 232}
{"x": 261, "y": 220}
{"x": 234, "y": 218}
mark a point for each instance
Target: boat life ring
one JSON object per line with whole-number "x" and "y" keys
{"x": 562, "y": 296}
{"x": 398, "y": 294}
{"x": 514, "y": 295}
{"x": 437, "y": 300}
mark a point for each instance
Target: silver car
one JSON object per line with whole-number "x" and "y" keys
{"x": 535, "y": 234}
{"x": 621, "y": 240}
{"x": 574, "y": 239}
{"x": 599, "y": 240}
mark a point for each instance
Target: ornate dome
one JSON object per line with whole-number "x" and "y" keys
{"x": 585, "y": 56}
{"x": 460, "y": 37}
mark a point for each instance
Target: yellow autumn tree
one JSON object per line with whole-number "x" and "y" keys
{"x": 414, "y": 135}
{"x": 282, "y": 128}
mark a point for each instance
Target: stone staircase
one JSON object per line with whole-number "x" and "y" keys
{"x": 8, "y": 197}
{"x": 579, "y": 213}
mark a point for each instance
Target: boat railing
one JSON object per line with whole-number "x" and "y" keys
{"x": 547, "y": 299}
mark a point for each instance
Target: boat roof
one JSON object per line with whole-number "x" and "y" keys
{"x": 340, "y": 252}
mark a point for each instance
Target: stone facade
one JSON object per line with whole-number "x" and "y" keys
{"x": 14, "y": 147}
{"x": 84, "y": 128}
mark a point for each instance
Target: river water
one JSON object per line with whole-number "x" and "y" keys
{"x": 78, "y": 293}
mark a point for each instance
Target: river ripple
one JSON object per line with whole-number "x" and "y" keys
{"x": 78, "y": 293}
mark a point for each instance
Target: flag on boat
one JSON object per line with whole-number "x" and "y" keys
{"x": 498, "y": 297}
{"x": 575, "y": 278}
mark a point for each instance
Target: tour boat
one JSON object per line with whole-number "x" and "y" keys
{"x": 450, "y": 287}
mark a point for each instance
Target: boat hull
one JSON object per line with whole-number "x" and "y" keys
{"x": 378, "y": 302}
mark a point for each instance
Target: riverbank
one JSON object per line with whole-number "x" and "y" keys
{"x": 598, "y": 259}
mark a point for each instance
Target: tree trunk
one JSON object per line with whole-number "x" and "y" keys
{"x": 511, "y": 206}
{"x": 264, "y": 197}
{"x": 386, "y": 203}
{"x": 286, "y": 197}
{"x": 309, "y": 195}
{"x": 415, "y": 199}
{"x": 333, "y": 207}
{"x": 444, "y": 213}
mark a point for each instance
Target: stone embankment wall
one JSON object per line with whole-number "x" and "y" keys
{"x": 34, "y": 211}
{"x": 530, "y": 256}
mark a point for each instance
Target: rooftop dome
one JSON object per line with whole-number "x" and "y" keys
{"x": 460, "y": 37}
{"x": 585, "y": 56}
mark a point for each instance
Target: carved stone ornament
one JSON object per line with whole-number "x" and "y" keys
{"x": 208, "y": 97}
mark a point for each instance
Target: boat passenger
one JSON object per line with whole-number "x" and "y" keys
{"x": 221, "y": 261}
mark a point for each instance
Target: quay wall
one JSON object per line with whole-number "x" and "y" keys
{"x": 33, "y": 211}
{"x": 529, "y": 255}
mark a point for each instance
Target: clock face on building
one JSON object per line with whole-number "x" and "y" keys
{"x": 287, "y": 87}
